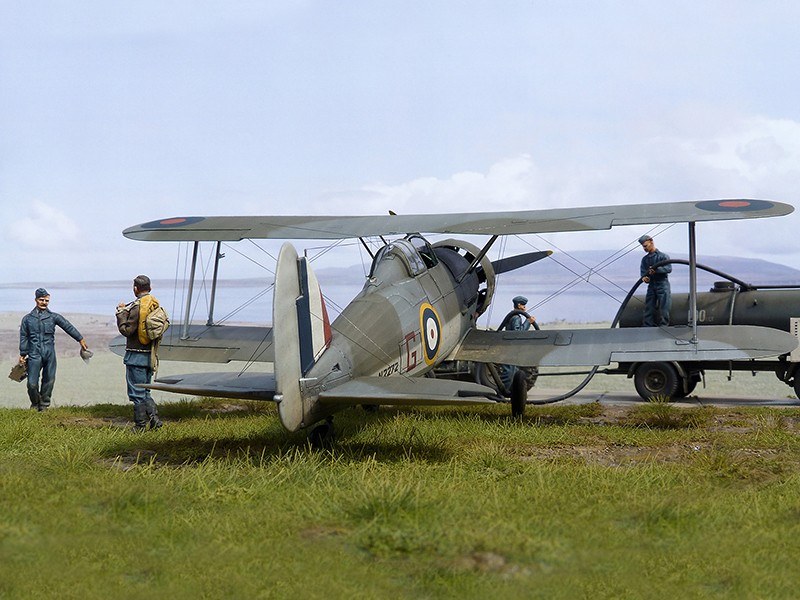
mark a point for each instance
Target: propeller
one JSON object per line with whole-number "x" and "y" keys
{"x": 520, "y": 260}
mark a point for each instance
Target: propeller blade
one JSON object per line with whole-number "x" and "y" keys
{"x": 515, "y": 262}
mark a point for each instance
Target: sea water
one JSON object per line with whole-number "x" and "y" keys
{"x": 253, "y": 304}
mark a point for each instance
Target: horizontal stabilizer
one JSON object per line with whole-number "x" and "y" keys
{"x": 242, "y": 386}
{"x": 407, "y": 391}
{"x": 589, "y": 347}
{"x": 181, "y": 229}
{"x": 504, "y": 265}
{"x": 213, "y": 344}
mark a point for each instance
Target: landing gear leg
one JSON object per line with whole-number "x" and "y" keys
{"x": 323, "y": 436}
{"x": 519, "y": 394}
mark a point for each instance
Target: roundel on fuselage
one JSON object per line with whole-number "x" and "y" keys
{"x": 431, "y": 329}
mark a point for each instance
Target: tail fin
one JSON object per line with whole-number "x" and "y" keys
{"x": 301, "y": 333}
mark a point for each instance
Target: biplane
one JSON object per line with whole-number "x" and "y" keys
{"x": 418, "y": 307}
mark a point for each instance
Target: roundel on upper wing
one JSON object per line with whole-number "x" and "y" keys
{"x": 173, "y": 222}
{"x": 431, "y": 329}
{"x": 734, "y": 205}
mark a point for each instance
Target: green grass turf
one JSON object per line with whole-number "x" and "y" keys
{"x": 572, "y": 502}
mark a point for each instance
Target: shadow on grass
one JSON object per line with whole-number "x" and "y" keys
{"x": 185, "y": 409}
{"x": 534, "y": 415}
{"x": 273, "y": 441}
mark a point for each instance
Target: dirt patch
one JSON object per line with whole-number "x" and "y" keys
{"x": 616, "y": 455}
{"x": 96, "y": 422}
{"x": 490, "y": 563}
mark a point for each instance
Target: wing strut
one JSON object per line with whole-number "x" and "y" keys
{"x": 363, "y": 243}
{"x": 217, "y": 256}
{"x": 187, "y": 314}
{"x": 477, "y": 260}
{"x": 693, "y": 282}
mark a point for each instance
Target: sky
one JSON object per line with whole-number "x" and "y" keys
{"x": 113, "y": 114}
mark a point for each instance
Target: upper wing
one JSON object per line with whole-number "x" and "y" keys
{"x": 496, "y": 223}
{"x": 589, "y": 347}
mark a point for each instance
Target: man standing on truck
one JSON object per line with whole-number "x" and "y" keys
{"x": 659, "y": 296}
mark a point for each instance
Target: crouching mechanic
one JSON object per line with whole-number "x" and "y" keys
{"x": 139, "y": 353}
{"x": 37, "y": 348}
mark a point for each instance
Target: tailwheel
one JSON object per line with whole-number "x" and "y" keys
{"x": 323, "y": 436}
{"x": 519, "y": 394}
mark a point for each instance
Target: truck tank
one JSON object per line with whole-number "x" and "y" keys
{"x": 726, "y": 304}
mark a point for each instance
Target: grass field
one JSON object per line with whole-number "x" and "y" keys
{"x": 573, "y": 502}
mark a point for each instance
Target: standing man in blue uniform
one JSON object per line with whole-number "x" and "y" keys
{"x": 37, "y": 348}
{"x": 659, "y": 296}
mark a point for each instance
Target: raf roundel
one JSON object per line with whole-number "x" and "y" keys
{"x": 173, "y": 222}
{"x": 431, "y": 329}
{"x": 734, "y": 205}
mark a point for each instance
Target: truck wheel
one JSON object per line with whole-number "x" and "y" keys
{"x": 519, "y": 394}
{"x": 690, "y": 385}
{"x": 656, "y": 379}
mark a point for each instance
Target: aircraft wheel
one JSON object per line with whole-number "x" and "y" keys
{"x": 322, "y": 436}
{"x": 656, "y": 379}
{"x": 797, "y": 385}
{"x": 519, "y": 394}
{"x": 531, "y": 375}
{"x": 483, "y": 375}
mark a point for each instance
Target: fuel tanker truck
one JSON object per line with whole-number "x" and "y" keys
{"x": 729, "y": 302}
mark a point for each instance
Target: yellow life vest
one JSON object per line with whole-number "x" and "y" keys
{"x": 147, "y": 304}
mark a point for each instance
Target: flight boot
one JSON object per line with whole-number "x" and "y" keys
{"x": 153, "y": 421}
{"x": 35, "y": 399}
{"x": 139, "y": 418}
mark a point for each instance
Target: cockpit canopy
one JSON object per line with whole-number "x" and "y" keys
{"x": 414, "y": 253}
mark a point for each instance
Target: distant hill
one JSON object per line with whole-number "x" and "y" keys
{"x": 560, "y": 269}
{"x": 556, "y": 270}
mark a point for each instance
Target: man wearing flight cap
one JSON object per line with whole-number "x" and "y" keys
{"x": 37, "y": 348}
{"x": 516, "y": 320}
{"x": 519, "y": 322}
{"x": 658, "y": 301}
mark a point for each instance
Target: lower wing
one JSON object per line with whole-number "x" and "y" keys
{"x": 214, "y": 343}
{"x": 589, "y": 347}
{"x": 243, "y": 386}
{"x": 407, "y": 391}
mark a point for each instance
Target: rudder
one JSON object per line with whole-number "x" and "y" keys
{"x": 301, "y": 332}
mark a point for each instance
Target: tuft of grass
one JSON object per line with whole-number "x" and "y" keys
{"x": 660, "y": 414}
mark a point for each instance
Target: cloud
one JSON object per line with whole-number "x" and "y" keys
{"x": 45, "y": 228}
{"x": 510, "y": 184}
{"x": 753, "y": 157}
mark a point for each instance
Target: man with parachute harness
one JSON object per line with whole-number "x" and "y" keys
{"x": 143, "y": 323}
